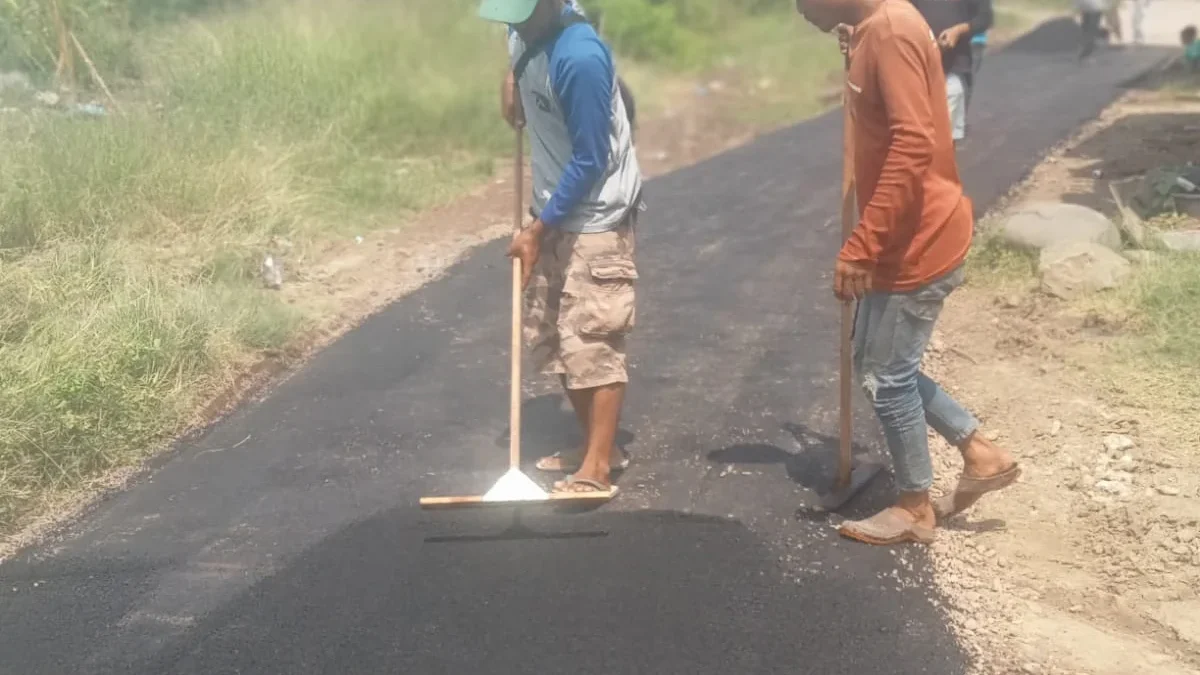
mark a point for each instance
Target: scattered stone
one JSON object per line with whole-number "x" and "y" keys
{"x": 1168, "y": 490}
{"x": 1040, "y": 225}
{"x": 1009, "y": 301}
{"x": 991, "y": 434}
{"x": 1112, "y": 487}
{"x": 1055, "y": 427}
{"x": 1140, "y": 257}
{"x": 1185, "y": 536}
{"x": 47, "y": 98}
{"x": 1119, "y": 476}
{"x": 1126, "y": 463}
{"x": 14, "y": 80}
{"x": 1117, "y": 444}
{"x": 1031, "y": 669}
{"x": 1071, "y": 269}
{"x": 1129, "y": 222}
{"x": 272, "y": 273}
{"x": 1183, "y": 240}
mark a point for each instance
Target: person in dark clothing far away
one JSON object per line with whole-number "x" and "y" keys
{"x": 955, "y": 23}
{"x": 1091, "y": 12}
{"x": 1191, "y": 48}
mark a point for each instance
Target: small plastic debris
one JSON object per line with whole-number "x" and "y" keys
{"x": 272, "y": 273}
{"x": 90, "y": 109}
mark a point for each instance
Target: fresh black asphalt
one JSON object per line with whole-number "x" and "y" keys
{"x": 302, "y": 550}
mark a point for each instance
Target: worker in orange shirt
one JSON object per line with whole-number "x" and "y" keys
{"x": 904, "y": 258}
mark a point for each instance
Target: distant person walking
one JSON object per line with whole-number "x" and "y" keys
{"x": 1091, "y": 12}
{"x": 978, "y": 47}
{"x": 1139, "y": 19}
{"x": 1191, "y": 48}
{"x": 1112, "y": 21}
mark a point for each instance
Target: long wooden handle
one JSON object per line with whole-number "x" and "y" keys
{"x": 849, "y": 218}
{"x": 514, "y": 413}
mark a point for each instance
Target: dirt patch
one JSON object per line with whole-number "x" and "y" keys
{"x": 1091, "y": 564}
{"x": 1144, "y": 132}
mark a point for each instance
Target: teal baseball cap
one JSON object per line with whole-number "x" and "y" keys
{"x": 507, "y": 11}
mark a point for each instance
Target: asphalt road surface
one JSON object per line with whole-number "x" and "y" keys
{"x": 302, "y": 550}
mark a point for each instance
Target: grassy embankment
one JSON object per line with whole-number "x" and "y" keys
{"x": 130, "y": 244}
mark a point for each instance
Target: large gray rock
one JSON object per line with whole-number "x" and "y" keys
{"x": 1074, "y": 268}
{"x": 1038, "y": 225}
{"x": 1181, "y": 240}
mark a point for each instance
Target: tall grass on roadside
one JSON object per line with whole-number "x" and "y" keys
{"x": 129, "y": 245}
{"x": 1165, "y": 297}
{"x": 991, "y": 262}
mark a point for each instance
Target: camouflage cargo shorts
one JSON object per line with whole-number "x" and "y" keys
{"x": 580, "y": 306}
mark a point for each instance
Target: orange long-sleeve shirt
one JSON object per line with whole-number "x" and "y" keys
{"x": 915, "y": 223}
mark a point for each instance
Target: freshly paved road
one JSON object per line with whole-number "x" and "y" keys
{"x": 302, "y": 550}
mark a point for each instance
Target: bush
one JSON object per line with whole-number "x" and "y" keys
{"x": 644, "y": 30}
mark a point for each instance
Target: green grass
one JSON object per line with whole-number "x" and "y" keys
{"x": 786, "y": 67}
{"x": 130, "y": 245}
{"x": 992, "y": 263}
{"x": 1165, "y": 297}
{"x": 1157, "y": 309}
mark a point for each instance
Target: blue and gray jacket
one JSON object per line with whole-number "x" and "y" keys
{"x": 586, "y": 177}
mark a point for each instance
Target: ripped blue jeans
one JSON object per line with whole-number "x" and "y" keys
{"x": 891, "y": 331}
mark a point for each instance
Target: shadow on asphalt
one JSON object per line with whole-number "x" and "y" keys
{"x": 548, "y": 425}
{"x": 664, "y": 592}
{"x": 813, "y": 465}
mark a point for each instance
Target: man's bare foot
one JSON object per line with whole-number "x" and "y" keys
{"x": 911, "y": 519}
{"x": 986, "y": 468}
{"x": 983, "y": 458}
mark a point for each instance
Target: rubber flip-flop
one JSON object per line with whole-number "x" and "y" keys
{"x": 886, "y": 528}
{"x": 558, "y": 463}
{"x": 971, "y": 489}
{"x": 572, "y": 484}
